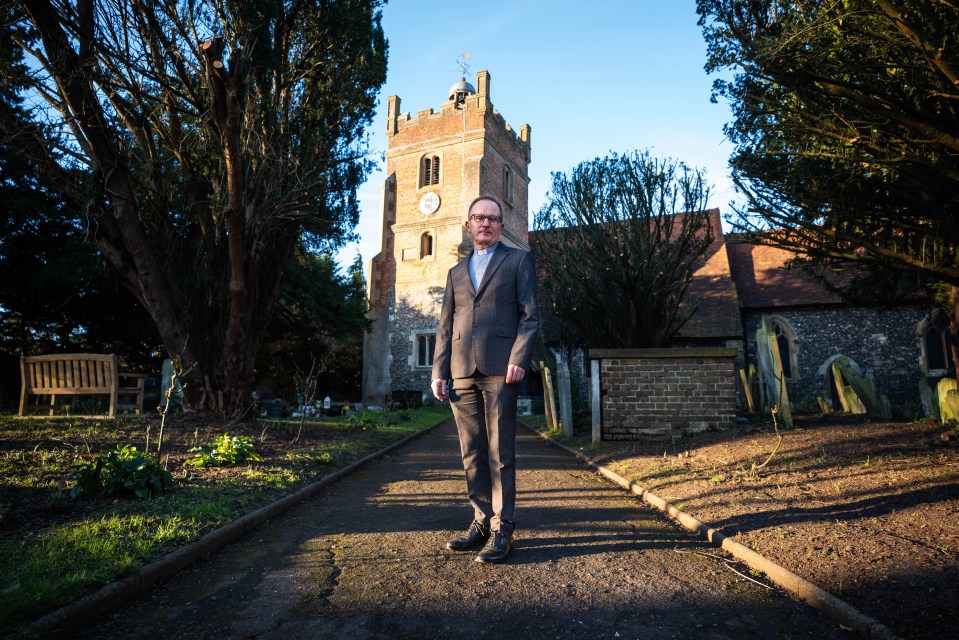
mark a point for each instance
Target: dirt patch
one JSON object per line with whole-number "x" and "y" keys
{"x": 867, "y": 511}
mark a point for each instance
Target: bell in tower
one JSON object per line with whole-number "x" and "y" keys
{"x": 460, "y": 91}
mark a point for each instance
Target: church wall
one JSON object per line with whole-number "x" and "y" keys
{"x": 414, "y": 313}
{"x": 882, "y": 342}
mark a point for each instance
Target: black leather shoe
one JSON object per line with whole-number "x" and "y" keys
{"x": 496, "y": 550}
{"x": 474, "y": 536}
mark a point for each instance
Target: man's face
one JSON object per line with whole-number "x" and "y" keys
{"x": 484, "y": 232}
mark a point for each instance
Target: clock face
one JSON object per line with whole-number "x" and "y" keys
{"x": 429, "y": 202}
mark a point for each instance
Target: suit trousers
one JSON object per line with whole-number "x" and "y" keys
{"x": 485, "y": 412}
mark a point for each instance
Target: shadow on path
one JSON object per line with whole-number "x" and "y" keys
{"x": 366, "y": 559}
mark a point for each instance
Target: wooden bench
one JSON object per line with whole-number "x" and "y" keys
{"x": 76, "y": 374}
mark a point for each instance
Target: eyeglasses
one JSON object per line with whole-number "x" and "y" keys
{"x": 479, "y": 218}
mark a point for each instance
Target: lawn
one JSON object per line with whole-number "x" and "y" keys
{"x": 55, "y": 548}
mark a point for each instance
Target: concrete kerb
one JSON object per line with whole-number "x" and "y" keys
{"x": 63, "y": 621}
{"x": 840, "y": 611}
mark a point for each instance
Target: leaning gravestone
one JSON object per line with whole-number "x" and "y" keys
{"x": 773, "y": 378}
{"x": 930, "y": 408}
{"x": 948, "y": 400}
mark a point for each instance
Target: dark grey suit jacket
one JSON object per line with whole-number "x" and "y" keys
{"x": 498, "y": 325}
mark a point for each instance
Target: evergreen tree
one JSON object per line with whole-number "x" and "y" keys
{"x": 201, "y": 143}
{"x": 846, "y": 123}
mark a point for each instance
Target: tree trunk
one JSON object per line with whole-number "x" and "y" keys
{"x": 954, "y": 332}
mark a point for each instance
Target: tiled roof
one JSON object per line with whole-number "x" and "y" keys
{"x": 712, "y": 292}
{"x": 763, "y": 279}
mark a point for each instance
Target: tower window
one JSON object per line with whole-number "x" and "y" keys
{"x": 507, "y": 184}
{"x": 430, "y": 171}
{"x": 425, "y": 345}
{"x": 426, "y": 245}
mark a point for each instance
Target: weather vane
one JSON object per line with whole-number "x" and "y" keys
{"x": 462, "y": 64}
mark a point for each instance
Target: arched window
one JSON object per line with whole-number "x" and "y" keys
{"x": 426, "y": 245}
{"x": 430, "y": 171}
{"x": 936, "y": 352}
{"x": 788, "y": 346}
{"x": 507, "y": 184}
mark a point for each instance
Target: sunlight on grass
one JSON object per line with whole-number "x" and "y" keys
{"x": 62, "y": 562}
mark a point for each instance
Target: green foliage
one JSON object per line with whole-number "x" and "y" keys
{"x": 202, "y": 238}
{"x": 368, "y": 419}
{"x": 321, "y": 312}
{"x": 121, "y": 470}
{"x": 845, "y": 126}
{"x": 364, "y": 419}
{"x": 223, "y": 450}
{"x": 615, "y": 253}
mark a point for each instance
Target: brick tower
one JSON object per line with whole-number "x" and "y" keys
{"x": 437, "y": 162}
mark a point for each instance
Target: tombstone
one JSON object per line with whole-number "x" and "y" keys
{"x": 945, "y": 388}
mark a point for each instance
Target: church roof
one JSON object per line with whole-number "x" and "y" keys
{"x": 764, "y": 280}
{"x": 712, "y": 292}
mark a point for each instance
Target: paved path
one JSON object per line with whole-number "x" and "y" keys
{"x": 365, "y": 559}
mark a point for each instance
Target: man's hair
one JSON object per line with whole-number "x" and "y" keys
{"x": 491, "y": 199}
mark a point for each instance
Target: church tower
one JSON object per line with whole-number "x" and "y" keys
{"x": 436, "y": 164}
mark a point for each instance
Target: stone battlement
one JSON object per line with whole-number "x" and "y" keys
{"x": 476, "y": 112}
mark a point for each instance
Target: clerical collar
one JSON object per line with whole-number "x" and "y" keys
{"x": 489, "y": 249}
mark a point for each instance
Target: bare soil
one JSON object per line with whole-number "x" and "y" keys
{"x": 867, "y": 511}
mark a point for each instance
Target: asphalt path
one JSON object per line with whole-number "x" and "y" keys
{"x": 366, "y": 559}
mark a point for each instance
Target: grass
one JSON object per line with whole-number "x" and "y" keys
{"x": 54, "y": 549}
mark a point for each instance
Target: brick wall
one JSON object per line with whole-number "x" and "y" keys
{"x": 657, "y": 392}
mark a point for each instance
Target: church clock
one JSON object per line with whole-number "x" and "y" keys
{"x": 429, "y": 202}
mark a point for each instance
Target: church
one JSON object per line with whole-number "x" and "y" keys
{"x": 438, "y": 161}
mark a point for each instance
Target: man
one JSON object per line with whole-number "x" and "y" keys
{"x": 487, "y": 331}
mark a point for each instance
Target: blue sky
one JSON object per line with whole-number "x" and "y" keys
{"x": 588, "y": 77}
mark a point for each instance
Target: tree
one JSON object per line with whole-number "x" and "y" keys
{"x": 55, "y": 294}
{"x": 846, "y": 121}
{"x": 617, "y": 243}
{"x": 203, "y": 142}
{"x": 319, "y": 323}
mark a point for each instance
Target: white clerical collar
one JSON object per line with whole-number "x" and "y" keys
{"x": 489, "y": 249}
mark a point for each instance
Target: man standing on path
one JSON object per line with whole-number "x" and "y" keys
{"x": 487, "y": 331}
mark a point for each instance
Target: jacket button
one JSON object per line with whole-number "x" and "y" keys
{"x": 476, "y": 324}
{"x": 476, "y": 305}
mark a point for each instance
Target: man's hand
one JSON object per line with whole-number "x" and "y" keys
{"x": 514, "y": 374}
{"x": 439, "y": 389}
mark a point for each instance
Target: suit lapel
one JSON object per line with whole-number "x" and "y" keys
{"x": 462, "y": 276}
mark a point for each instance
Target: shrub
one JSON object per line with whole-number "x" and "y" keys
{"x": 121, "y": 470}
{"x": 364, "y": 420}
{"x": 223, "y": 450}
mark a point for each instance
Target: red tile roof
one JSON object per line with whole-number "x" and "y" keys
{"x": 712, "y": 292}
{"x": 763, "y": 279}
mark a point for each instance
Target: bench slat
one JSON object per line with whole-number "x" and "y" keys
{"x": 75, "y": 374}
